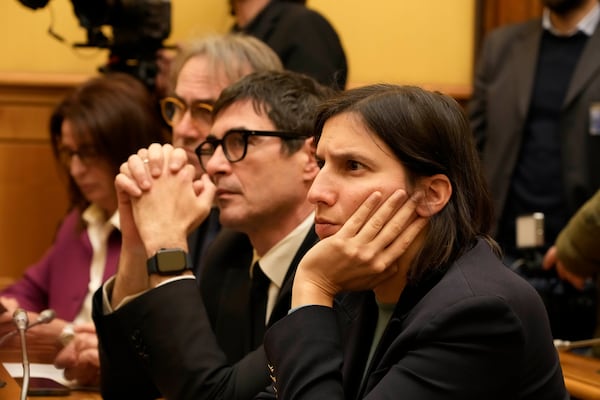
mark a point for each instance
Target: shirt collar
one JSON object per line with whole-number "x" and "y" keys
{"x": 276, "y": 261}
{"x": 587, "y": 24}
{"x": 93, "y": 215}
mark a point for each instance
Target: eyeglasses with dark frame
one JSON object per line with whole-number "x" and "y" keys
{"x": 86, "y": 154}
{"x": 235, "y": 144}
{"x": 173, "y": 109}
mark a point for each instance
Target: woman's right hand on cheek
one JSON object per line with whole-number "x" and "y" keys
{"x": 362, "y": 254}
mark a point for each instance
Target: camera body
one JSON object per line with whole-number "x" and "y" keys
{"x": 139, "y": 28}
{"x": 135, "y": 23}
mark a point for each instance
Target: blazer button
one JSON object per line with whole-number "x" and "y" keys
{"x": 135, "y": 335}
{"x": 140, "y": 347}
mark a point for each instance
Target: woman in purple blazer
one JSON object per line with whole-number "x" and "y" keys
{"x": 92, "y": 131}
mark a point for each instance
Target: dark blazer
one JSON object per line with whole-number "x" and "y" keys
{"x": 500, "y": 104}
{"x": 304, "y": 41}
{"x": 201, "y": 238}
{"x": 475, "y": 331}
{"x": 186, "y": 343}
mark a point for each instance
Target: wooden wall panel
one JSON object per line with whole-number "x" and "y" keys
{"x": 24, "y": 122}
{"x": 33, "y": 197}
{"x": 32, "y": 202}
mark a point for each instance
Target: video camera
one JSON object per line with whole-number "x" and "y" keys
{"x": 138, "y": 30}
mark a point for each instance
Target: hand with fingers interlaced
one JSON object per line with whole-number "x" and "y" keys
{"x": 160, "y": 202}
{"x": 169, "y": 202}
{"x": 79, "y": 358}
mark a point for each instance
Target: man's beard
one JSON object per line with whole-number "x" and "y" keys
{"x": 562, "y": 7}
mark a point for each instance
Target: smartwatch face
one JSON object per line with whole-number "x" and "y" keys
{"x": 171, "y": 261}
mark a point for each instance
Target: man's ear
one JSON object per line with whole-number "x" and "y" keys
{"x": 436, "y": 192}
{"x": 311, "y": 168}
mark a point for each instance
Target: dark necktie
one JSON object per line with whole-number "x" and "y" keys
{"x": 258, "y": 303}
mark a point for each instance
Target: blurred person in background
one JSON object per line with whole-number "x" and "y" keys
{"x": 92, "y": 131}
{"x": 535, "y": 114}
{"x": 302, "y": 38}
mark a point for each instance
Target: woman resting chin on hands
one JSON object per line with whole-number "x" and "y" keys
{"x": 405, "y": 294}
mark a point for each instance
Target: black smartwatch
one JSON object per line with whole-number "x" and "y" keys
{"x": 169, "y": 262}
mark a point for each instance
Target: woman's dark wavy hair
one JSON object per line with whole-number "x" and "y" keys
{"x": 116, "y": 114}
{"x": 430, "y": 134}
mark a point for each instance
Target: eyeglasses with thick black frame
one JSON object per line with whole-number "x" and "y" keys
{"x": 173, "y": 109}
{"x": 235, "y": 144}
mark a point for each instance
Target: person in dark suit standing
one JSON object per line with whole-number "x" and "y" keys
{"x": 302, "y": 38}
{"x": 159, "y": 334}
{"x": 534, "y": 113}
{"x": 405, "y": 295}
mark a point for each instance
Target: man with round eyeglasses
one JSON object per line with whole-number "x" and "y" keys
{"x": 169, "y": 336}
{"x": 173, "y": 110}
{"x": 200, "y": 71}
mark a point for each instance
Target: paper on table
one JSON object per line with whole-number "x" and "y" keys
{"x": 38, "y": 370}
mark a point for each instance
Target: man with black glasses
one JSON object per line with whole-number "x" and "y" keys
{"x": 159, "y": 334}
{"x": 202, "y": 68}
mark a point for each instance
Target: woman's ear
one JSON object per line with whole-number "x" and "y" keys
{"x": 436, "y": 192}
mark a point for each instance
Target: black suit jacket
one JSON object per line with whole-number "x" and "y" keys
{"x": 304, "y": 41}
{"x": 186, "y": 343}
{"x": 201, "y": 238}
{"x": 475, "y": 331}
